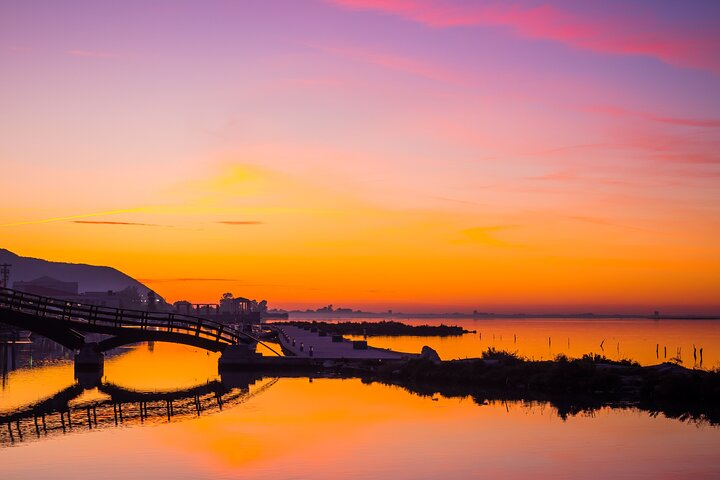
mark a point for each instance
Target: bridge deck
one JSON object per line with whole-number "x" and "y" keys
{"x": 323, "y": 348}
{"x": 63, "y": 321}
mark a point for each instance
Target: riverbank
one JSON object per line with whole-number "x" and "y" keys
{"x": 572, "y": 385}
{"x": 382, "y": 328}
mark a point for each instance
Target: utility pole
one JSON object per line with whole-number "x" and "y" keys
{"x": 5, "y": 274}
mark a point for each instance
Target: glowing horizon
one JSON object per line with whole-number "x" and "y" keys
{"x": 406, "y": 155}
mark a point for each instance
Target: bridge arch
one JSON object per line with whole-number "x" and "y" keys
{"x": 65, "y": 322}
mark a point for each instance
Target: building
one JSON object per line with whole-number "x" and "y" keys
{"x": 184, "y": 307}
{"x": 128, "y": 298}
{"x": 235, "y": 306}
{"x": 229, "y": 310}
{"x": 48, "y": 287}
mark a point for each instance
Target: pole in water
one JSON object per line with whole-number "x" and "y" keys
{"x": 514, "y": 338}
{"x": 657, "y": 350}
{"x": 549, "y": 341}
{"x": 665, "y": 351}
{"x": 701, "y": 356}
{"x": 694, "y": 353}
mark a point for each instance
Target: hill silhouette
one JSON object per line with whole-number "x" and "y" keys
{"x": 89, "y": 277}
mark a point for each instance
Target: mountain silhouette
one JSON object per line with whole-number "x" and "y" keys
{"x": 89, "y": 277}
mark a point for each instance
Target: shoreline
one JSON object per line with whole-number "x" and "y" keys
{"x": 381, "y": 328}
{"x": 572, "y": 385}
{"x": 308, "y": 316}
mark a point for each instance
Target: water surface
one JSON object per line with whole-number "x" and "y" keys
{"x": 334, "y": 428}
{"x": 646, "y": 341}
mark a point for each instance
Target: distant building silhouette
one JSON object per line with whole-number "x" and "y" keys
{"x": 52, "y": 287}
{"x": 48, "y": 287}
{"x": 183, "y": 306}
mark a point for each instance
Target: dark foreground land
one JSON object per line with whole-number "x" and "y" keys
{"x": 384, "y": 328}
{"x": 572, "y": 386}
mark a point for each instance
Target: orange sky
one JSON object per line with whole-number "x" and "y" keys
{"x": 374, "y": 155}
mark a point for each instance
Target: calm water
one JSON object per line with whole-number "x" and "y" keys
{"x": 333, "y": 428}
{"x": 636, "y": 339}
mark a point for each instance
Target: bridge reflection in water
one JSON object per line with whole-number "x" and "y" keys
{"x": 66, "y": 412}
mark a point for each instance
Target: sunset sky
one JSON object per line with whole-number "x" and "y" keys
{"x": 405, "y": 154}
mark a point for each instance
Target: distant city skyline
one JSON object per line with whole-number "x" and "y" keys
{"x": 407, "y": 155}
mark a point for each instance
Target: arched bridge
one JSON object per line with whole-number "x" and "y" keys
{"x": 65, "y": 322}
{"x": 121, "y": 407}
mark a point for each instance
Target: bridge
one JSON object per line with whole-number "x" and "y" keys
{"x": 66, "y": 323}
{"x": 58, "y": 415}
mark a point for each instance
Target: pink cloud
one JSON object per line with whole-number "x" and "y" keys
{"x": 685, "y": 122}
{"x": 92, "y": 54}
{"x": 398, "y": 63}
{"x": 624, "y": 35}
{"x": 688, "y": 158}
{"x": 17, "y": 49}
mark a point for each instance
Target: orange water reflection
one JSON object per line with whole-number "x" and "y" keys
{"x": 26, "y": 386}
{"x": 161, "y": 366}
{"x": 545, "y": 338}
{"x": 330, "y": 429}
{"x": 333, "y": 428}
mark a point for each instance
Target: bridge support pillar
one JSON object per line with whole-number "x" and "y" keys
{"x": 89, "y": 359}
{"x": 235, "y": 356}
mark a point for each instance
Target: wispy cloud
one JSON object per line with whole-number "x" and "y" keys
{"x": 236, "y": 282}
{"x": 72, "y": 217}
{"x": 241, "y": 222}
{"x": 618, "y": 112}
{"x": 92, "y": 54}
{"x": 399, "y": 63}
{"x": 486, "y": 236}
{"x": 688, "y": 158}
{"x": 629, "y": 34}
{"x": 18, "y": 49}
{"x": 186, "y": 279}
{"x": 92, "y": 222}
{"x": 603, "y": 222}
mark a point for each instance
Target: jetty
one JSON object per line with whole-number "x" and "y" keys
{"x": 312, "y": 343}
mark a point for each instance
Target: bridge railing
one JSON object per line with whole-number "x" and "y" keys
{"x": 110, "y": 317}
